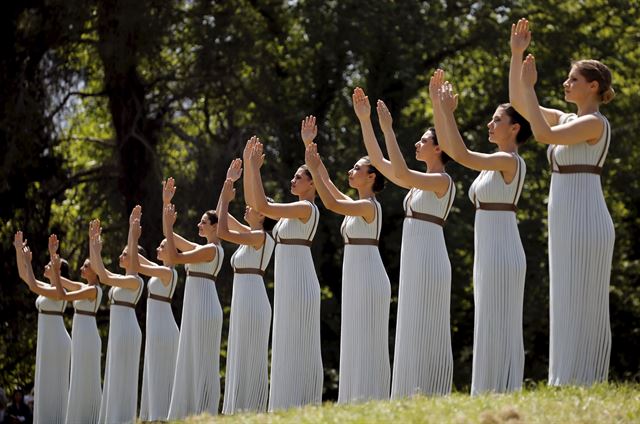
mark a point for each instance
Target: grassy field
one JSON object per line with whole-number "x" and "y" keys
{"x": 607, "y": 403}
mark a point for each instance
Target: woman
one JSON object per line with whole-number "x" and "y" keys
{"x": 247, "y": 376}
{"x": 120, "y": 388}
{"x": 423, "y": 362}
{"x": 161, "y": 339}
{"x": 499, "y": 262}
{"x": 196, "y": 386}
{"x": 296, "y": 360}
{"x": 53, "y": 346}
{"x": 366, "y": 292}
{"x": 581, "y": 232}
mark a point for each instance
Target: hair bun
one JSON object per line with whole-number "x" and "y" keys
{"x": 608, "y": 95}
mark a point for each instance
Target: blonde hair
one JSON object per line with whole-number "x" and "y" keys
{"x": 594, "y": 70}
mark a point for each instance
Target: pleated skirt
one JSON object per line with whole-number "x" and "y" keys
{"x": 247, "y": 376}
{"x": 85, "y": 390}
{"x": 423, "y": 360}
{"x": 160, "y": 353}
{"x": 196, "y": 386}
{"x": 498, "y": 274}
{"x": 581, "y": 240}
{"x": 365, "y": 372}
{"x": 53, "y": 355}
{"x": 120, "y": 388}
{"x": 296, "y": 360}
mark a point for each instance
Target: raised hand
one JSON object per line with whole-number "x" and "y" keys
{"x": 95, "y": 240}
{"x": 168, "y": 190}
{"x": 248, "y": 147}
{"x": 308, "y": 129}
{"x": 447, "y": 97}
{"x": 53, "y": 244}
{"x": 257, "y": 157}
{"x": 134, "y": 222}
{"x": 361, "y": 104}
{"x": 311, "y": 156}
{"x": 18, "y": 242}
{"x": 435, "y": 83}
{"x": 529, "y": 74}
{"x": 228, "y": 193}
{"x": 235, "y": 170}
{"x": 169, "y": 214}
{"x": 384, "y": 116}
{"x": 520, "y": 36}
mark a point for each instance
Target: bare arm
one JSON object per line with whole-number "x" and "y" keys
{"x": 363, "y": 111}
{"x": 234, "y": 173}
{"x": 437, "y": 183}
{"x": 95, "y": 256}
{"x": 253, "y": 238}
{"x": 199, "y": 254}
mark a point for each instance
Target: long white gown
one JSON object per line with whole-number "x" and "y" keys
{"x": 196, "y": 385}
{"x": 499, "y": 269}
{"x": 160, "y": 350}
{"x": 53, "y": 355}
{"x": 423, "y": 361}
{"x": 247, "y": 376}
{"x": 296, "y": 359}
{"x": 120, "y": 387}
{"x": 365, "y": 372}
{"x": 581, "y": 239}
{"x": 85, "y": 389}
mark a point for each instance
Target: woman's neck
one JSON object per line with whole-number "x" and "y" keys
{"x": 434, "y": 167}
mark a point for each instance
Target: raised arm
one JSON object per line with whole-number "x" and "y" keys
{"x": 168, "y": 191}
{"x": 199, "y": 254}
{"x": 37, "y": 287}
{"x": 254, "y": 238}
{"x": 362, "y": 108}
{"x": 437, "y": 183}
{"x": 586, "y": 128}
{"x": 55, "y": 265}
{"x": 135, "y": 230}
{"x": 300, "y": 210}
{"x": 361, "y": 207}
{"x": 20, "y": 244}
{"x": 445, "y": 103}
{"x": 95, "y": 255}
{"x": 233, "y": 173}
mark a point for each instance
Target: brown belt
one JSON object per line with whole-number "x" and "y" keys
{"x": 295, "y": 242}
{"x": 159, "y": 298}
{"x": 121, "y": 303}
{"x": 56, "y": 313}
{"x": 201, "y": 275}
{"x": 578, "y": 169}
{"x": 255, "y": 271}
{"x": 87, "y": 313}
{"x": 509, "y": 207}
{"x": 427, "y": 217}
{"x": 361, "y": 242}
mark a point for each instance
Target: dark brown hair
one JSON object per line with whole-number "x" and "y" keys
{"x": 594, "y": 70}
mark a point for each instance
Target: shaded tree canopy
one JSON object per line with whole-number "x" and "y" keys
{"x": 101, "y": 100}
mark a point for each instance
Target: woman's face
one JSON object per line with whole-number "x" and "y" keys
{"x": 86, "y": 272}
{"x": 48, "y": 270}
{"x": 251, "y": 216}
{"x": 426, "y": 147}
{"x": 359, "y": 175}
{"x": 577, "y": 88}
{"x": 500, "y": 127}
{"x": 301, "y": 182}
{"x": 122, "y": 259}
{"x": 160, "y": 250}
{"x": 205, "y": 227}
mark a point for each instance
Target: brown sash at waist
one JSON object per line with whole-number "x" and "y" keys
{"x": 87, "y": 313}
{"x": 122, "y": 303}
{"x": 158, "y": 297}
{"x": 295, "y": 242}
{"x": 508, "y": 207}
{"x": 56, "y": 313}
{"x": 255, "y": 271}
{"x": 578, "y": 169}
{"x": 201, "y": 275}
{"x": 361, "y": 242}
{"x": 426, "y": 217}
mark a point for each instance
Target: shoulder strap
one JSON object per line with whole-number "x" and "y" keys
{"x": 376, "y": 214}
{"x": 450, "y": 201}
{"x": 552, "y": 159}
{"x": 264, "y": 245}
{"x": 139, "y": 290}
{"x": 172, "y": 282}
{"x": 515, "y": 196}
{"x": 96, "y": 301}
{"x": 314, "y": 212}
{"x": 606, "y": 142}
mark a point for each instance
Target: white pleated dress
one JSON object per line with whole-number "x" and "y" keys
{"x": 120, "y": 387}
{"x": 196, "y": 385}
{"x": 85, "y": 388}
{"x": 53, "y": 355}
{"x": 498, "y": 284}
{"x": 581, "y": 239}
{"x": 365, "y": 372}
{"x": 160, "y": 350}
{"x": 423, "y": 361}
{"x": 247, "y": 376}
{"x": 296, "y": 359}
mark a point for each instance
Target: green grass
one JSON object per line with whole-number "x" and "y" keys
{"x": 605, "y": 403}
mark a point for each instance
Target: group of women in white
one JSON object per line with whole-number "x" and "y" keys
{"x": 181, "y": 365}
